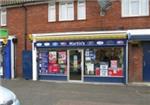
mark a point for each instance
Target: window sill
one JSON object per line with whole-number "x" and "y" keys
{"x": 3, "y": 25}
{"x": 135, "y": 16}
{"x": 66, "y": 20}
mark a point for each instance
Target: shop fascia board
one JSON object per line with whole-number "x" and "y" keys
{"x": 80, "y": 35}
{"x": 139, "y": 35}
{"x": 139, "y": 32}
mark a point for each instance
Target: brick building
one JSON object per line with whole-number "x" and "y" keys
{"x": 80, "y": 17}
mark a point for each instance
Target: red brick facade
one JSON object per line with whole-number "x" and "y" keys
{"x": 135, "y": 62}
{"x": 37, "y": 22}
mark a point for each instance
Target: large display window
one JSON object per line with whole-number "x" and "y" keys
{"x": 104, "y": 62}
{"x": 52, "y": 62}
{"x": 98, "y": 62}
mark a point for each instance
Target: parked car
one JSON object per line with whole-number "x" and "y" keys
{"x": 7, "y": 97}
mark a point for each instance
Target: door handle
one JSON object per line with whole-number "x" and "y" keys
{"x": 144, "y": 63}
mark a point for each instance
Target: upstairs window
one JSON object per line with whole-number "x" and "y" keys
{"x": 81, "y": 14}
{"x": 66, "y": 11}
{"x": 132, "y": 8}
{"x": 51, "y": 12}
{"x": 3, "y": 17}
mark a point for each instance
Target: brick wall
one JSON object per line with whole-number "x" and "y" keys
{"x": 37, "y": 22}
{"x": 135, "y": 62}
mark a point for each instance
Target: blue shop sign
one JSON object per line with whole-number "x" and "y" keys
{"x": 81, "y": 43}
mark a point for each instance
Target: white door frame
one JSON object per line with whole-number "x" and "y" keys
{"x": 82, "y": 65}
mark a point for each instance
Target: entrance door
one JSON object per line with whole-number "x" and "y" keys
{"x": 146, "y": 70}
{"x": 75, "y": 65}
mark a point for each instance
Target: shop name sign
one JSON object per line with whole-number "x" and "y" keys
{"x": 90, "y": 43}
{"x": 3, "y": 33}
{"x": 78, "y": 43}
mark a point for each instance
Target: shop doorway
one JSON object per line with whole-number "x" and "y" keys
{"x": 76, "y": 65}
{"x": 146, "y": 70}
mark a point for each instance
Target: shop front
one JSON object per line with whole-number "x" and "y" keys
{"x": 7, "y": 58}
{"x": 139, "y": 40}
{"x": 7, "y": 55}
{"x": 90, "y": 57}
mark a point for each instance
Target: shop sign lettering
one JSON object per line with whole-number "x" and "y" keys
{"x": 100, "y": 42}
{"x": 120, "y": 42}
{"x": 110, "y": 42}
{"x": 63, "y": 43}
{"x": 39, "y": 44}
{"x": 46, "y": 44}
{"x": 77, "y": 43}
{"x": 90, "y": 42}
{"x": 80, "y": 43}
{"x": 55, "y": 44}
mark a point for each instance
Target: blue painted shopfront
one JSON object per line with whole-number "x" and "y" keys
{"x": 146, "y": 63}
{"x": 6, "y": 56}
{"x": 44, "y": 46}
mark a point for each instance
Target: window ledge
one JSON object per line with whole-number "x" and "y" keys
{"x": 134, "y": 16}
{"x": 3, "y": 25}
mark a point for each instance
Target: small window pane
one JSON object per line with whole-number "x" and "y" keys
{"x": 3, "y": 17}
{"x": 66, "y": 11}
{"x": 81, "y": 9}
{"x": 62, "y": 11}
{"x": 51, "y": 13}
{"x": 135, "y": 7}
{"x": 70, "y": 10}
{"x": 144, "y": 7}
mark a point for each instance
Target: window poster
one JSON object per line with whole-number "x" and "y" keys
{"x": 103, "y": 69}
{"x": 90, "y": 68}
{"x": 62, "y": 57}
{"x": 104, "y": 73}
{"x": 114, "y": 64}
{"x": 52, "y": 57}
{"x": 43, "y": 62}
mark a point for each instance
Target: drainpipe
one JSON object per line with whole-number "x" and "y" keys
{"x": 25, "y": 27}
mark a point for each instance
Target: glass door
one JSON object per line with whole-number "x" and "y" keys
{"x": 76, "y": 65}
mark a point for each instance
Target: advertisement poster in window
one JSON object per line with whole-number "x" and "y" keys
{"x": 62, "y": 57}
{"x": 114, "y": 65}
{"x": 52, "y": 57}
{"x": 43, "y": 62}
{"x": 104, "y": 69}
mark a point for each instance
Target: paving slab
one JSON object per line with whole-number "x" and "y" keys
{"x": 62, "y": 93}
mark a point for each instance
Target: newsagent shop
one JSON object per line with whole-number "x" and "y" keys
{"x": 80, "y": 57}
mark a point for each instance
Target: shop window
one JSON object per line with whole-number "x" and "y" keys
{"x": 81, "y": 10}
{"x": 104, "y": 62}
{"x": 66, "y": 10}
{"x": 3, "y": 17}
{"x": 52, "y": 62}
{"x": 135, "y": 8}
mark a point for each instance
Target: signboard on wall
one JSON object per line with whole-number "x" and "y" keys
{"x": 3, "y": 33}
{"x": 81, "y": 43}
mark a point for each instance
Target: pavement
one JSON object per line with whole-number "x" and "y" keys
{"x": 62, "y": 93}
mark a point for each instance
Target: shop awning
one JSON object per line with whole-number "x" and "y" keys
{"x": 77, "y": 36}
{"x": 139, "y": 35}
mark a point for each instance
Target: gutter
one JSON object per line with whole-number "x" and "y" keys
{"x": 25, "y": 26}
